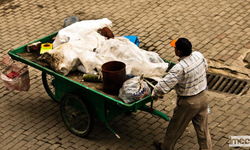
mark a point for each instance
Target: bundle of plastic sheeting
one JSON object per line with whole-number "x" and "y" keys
{"x": 65, "y": 58}
{"x": 81, "y": 43}
{"x": 133, "y": 90}
{"x": 78, "y": 30}
{"x": 94, "y": 50}
{"x": 138, "y": 61}
{"x": 61, "y": 59}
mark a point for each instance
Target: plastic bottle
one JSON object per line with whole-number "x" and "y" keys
{"x": 70, "y": 20}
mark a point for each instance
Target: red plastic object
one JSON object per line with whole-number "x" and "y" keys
{"x": 13, "y": 74}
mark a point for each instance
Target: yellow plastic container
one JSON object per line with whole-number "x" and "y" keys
{"x": 45, "y": 47}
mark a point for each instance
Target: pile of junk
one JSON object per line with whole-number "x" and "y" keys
{"x": 90, "y": 47}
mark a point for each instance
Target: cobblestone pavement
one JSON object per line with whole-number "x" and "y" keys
{"x": 220, "y": 29}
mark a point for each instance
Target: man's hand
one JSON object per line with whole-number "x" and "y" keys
{"x": 156, "y": 95}
{"x": 154, "y": 98}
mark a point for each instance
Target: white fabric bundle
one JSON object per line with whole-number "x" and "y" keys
{"x": 81, "y": 43}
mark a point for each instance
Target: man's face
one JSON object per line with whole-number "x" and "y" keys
{"x": 177, "y": 52}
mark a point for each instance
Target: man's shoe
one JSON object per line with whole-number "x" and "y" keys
{"x": 157, "y": 145}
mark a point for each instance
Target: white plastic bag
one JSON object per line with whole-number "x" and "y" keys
{"x": 16, "y": 76}
{"x": 133, "y": 90}
{"x": 20, "y": 83}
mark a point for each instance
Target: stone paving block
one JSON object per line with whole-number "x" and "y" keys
{"x": 19, "y": 145}
{"x": 66, "y": 145}
{"x": 245, "y": 122}
{"x": 30, "y": 136}
{"x": 220, "y": 118}
{"x": 7, "y": 140}
{"x": 235, "y": 122}
{"x": 18, "y": 139}
{"x": 225, "y": 108}
{"x": 178, "y": 146}
{"x": 229, "y": 62}
{"x": 222, "y": 142}
{"x": 7, "y": 146}
{"x": 246, "y": 106}
{"x": 239, "y": 127}
{"x": 59, "y": 148}
{"x": 17, "y": 127}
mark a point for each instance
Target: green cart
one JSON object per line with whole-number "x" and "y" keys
{"x": 81, "y": 102}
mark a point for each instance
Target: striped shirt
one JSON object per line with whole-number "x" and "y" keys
{"x": 188, "y": 77}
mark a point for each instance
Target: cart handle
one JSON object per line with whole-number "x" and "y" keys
{"x": 154, "y": 112}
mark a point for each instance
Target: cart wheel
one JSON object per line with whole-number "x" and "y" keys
{"x": 48, "y": 81}
{"x": 76, "y": 115}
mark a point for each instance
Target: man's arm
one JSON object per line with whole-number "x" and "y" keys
{"x": 168, "y": 82}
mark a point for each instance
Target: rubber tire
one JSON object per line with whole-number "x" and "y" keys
{"x": 80, "y": 110}
{"x": 47, "y": 87}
